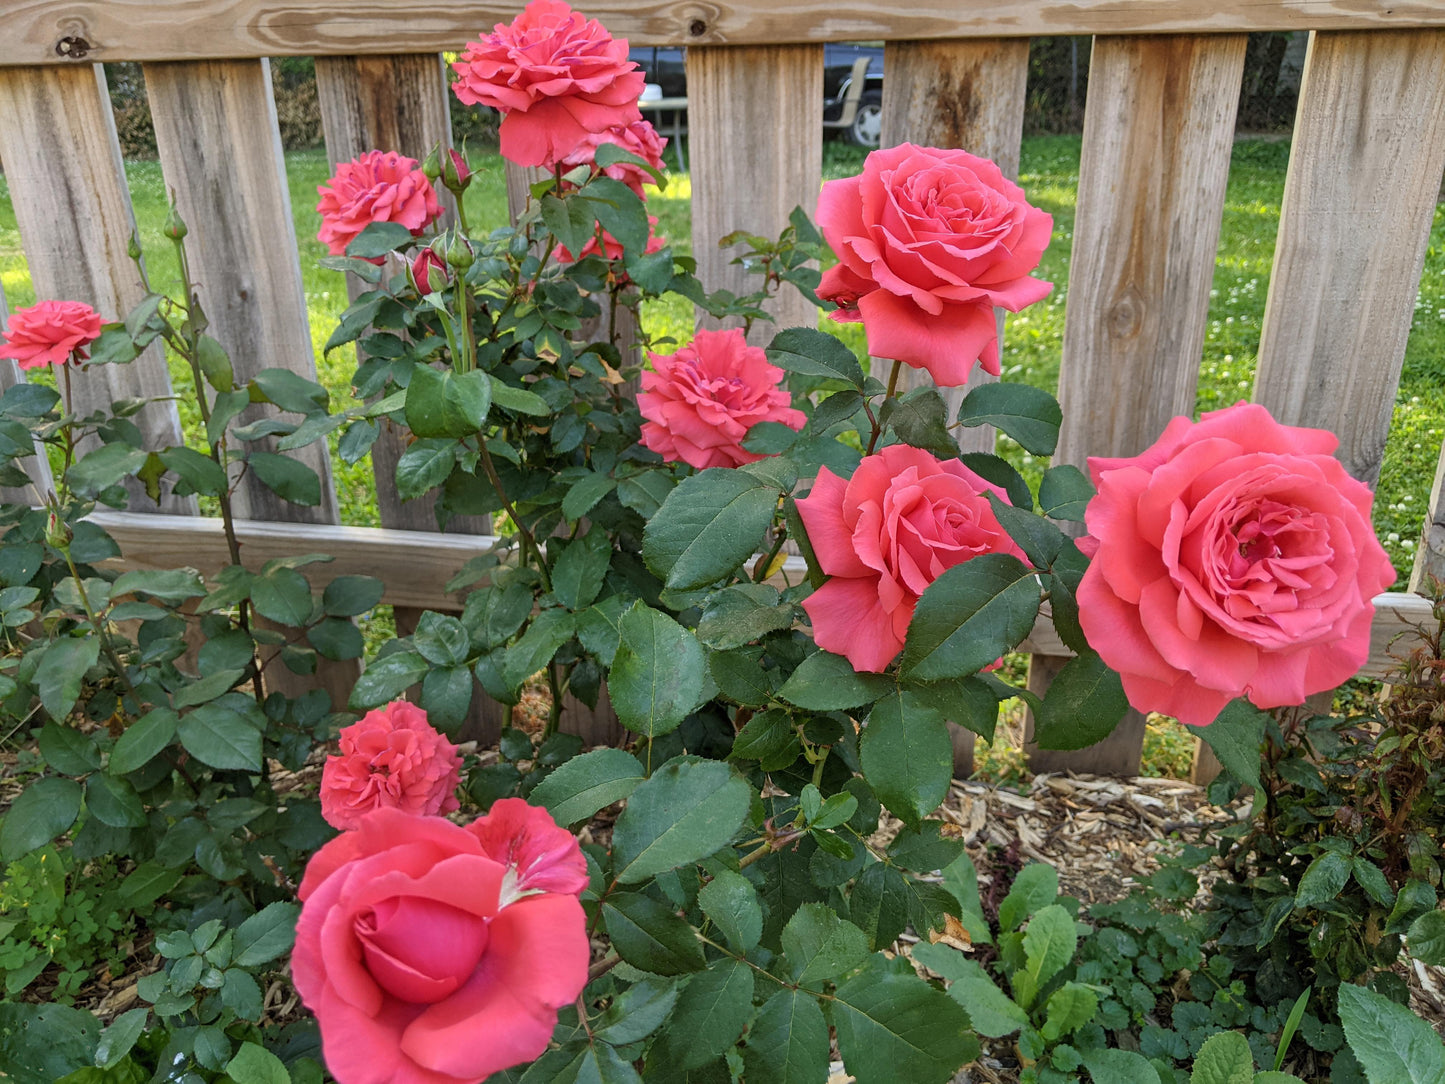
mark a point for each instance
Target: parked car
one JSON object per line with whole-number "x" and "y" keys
{"x": 666, "y": 66}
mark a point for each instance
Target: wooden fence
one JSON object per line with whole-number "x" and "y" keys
{"x": 1364, "y": 173}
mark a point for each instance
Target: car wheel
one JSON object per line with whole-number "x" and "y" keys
{"x": 867, "y": 123}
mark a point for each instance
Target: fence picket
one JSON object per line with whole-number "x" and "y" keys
{"x": 68, "y": 187}
{"x": 969, "y": 95}
{"x": 756, "y": 146}
{"x": 1158, "y": 125}
{"x": 1364, "y": 175}
{"x": 220, "y": 150}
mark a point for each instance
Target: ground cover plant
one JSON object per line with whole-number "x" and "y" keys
{"x": 752, "y": 883}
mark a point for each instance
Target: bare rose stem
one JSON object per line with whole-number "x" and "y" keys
{"x": 892, "y": 387}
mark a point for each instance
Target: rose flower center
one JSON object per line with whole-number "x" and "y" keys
{"x": 420, "y": 950}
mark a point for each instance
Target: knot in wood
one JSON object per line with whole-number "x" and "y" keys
{"x": 1126, "y": 315}
{"x": 697, "y": 28}
{"x": 72, "y": 47}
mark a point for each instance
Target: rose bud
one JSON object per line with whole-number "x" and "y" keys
{"x": 456, "y": 173}
{"x": 457, "y": 250}
{"x": 431, "y": 166}
{"x": 175, "y": 226}
{"x": 427, "y": 272}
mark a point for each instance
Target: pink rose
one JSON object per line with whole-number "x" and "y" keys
{"x": 48, "y": 332}
{"x": 391, "y": 757}
{"x": 639, "y": 137}
{"x": 1234, "y": 558}
{"x": 883, "y": 536}
{"x": 928, "y": 242}
{"x": 377, "y": 187}
{"x": 429, "y": 956}
{"x": 555, "y": 76}
{"x": 701, "y": 401}
{"x": 428, "y": 272}
{"x": 609, "y": 247}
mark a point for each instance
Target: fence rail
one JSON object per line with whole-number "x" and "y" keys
{"x": 1364, "y": 174}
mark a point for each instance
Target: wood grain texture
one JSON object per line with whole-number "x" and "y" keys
{"x": 67, "y": 184}
{"x": 756, "y": 147}
{"x": 1364, "y": 175}
{"x": 36, "y": 467}
{"x": 220, "y": 151}
{"x": 1158, "y": 127}
{"x": 968, "y": 95}
{"x": 1430, "y": 557}
{"x": 111, "y": 30}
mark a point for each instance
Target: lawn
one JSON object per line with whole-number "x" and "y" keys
{"x": 1049, "y": 175}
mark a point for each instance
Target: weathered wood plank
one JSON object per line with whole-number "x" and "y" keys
{"x": 756, "y": 145}
{"x": 1364, "y": 175}
{"x": 1158, "y": 126}
{"x": 415, "y": 566}
{"x": 67, "y": 184}
{"x": 397, "y": 103}
{"x": 220, "y": 151}
{"x": 60, "y": 31}
{"x": 969, "y": 95}
{"x": 36, "y": 466}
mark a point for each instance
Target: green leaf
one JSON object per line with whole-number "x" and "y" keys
{"x": 336, "y": 638}
{"x": 815, "y": 353}
{"x": 1064, "y": 493}
{"x": 585, "y": 493}
{"x": 143, "y": 740}
{"x": 658, "y": 673}
{"x": 731, "y": 902}
{"x": 61, "y": 673}
{"x": 105, "y": 466}
{"x": 742, "y": 613}
{"x": 1416, "y": 897}
{"x": 423, "y": 466}
{"x": 200, "y": 472}
{"x": 992, "y": 1012}
{"x": 289, "y": 391}
{"x": 441, "y": 639}
{"x": 708, "y": 527}
{"x": 879, "y": 904}
{"x": 42, "y": 811}
{"x": 637, "y": 1012}
{"x": 349, "y": 596}
{"x": 40, "y": 1044}
{"x": 1069, "y": 1008}
{"x": 1426, "y": 939}
{"x": 114, "y": 802}
{"x": 118, "y": 1039}
{"x": 970, "y": 616}
{"x": 1082, "y": 706}
{"x": 1049, "y": 944}
{"x": 207, "y": 688}
{"x": 925, "y": 849}
{"x": 1119, "y": 1067}
{"x": 255, "y": 1064}
{"x": 265, "y": 935}
{"x": 283, "y": 595}
{"x": 649, "y": 936}
{"x": 226, "y": 408}
{"x": 67, "y": 750}
{"x": 828, "y": 682}
{"x": 583, "y": 785}
{"x": 548, "y": 631}
{"x": 171, "y": 584}
{"x": 441, "y": 403}
{"x": 820, "y": 946}
{"x": 893, "y": 1026}
{"x": 1030, "y": 415}
{"x": 221, "y": 738}
{"x": 619, "y": 211}
{"x": 1236, "y": 736}
{"x": 1392, "y": 1044}
{"x": 688, "y": 810}
{"x": 907, "y": 758}
{"x": 518, "y": 400}
{"x": 1035, "y": 887}
{"x": 920, "y": 418}
{"x": 378, "y": 239}
{"x": 1372, "y": 879}
{"x": 711, "y": 1014}
{"x": 1224, "y": 1058}
{"x": 288, "y": 478}
{"x": 580, "y": 569}
{"x": 147, "y": 883}
{"x": 1323, "y": 880}
{"x": 386, "y": 678}
{"x": 788, "y": 1040}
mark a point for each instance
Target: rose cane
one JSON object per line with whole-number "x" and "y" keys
{"x": 1233, "y": 557}
{"x": 438, "y": 954}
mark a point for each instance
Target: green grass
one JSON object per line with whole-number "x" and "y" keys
{"x": 1033, "y": 341}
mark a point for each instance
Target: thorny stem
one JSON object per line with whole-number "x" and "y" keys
{"x": 602, "y": 966}
{"x": 777, "y": 843}
{"x": 892, "y": 388}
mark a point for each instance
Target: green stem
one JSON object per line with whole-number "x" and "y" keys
{"x": 893, "y": 380}
{"x": 892, "y": 388}
{"x": 760, "y": 570}
{"x": 528, "y": 542}
{"x": 554, "y": 713}
{"x": 95, "y": 623}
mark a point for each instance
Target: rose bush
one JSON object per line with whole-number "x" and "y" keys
{"x": 376, "y": 187}
{"x": 429, "y": 956}
{"x": 701, "y": 401}
{"x": 392, "y": 757}
{"x": 49, "y": 333}
{"x": 928, "y": 242}
{"x": 1234, "y": 558}
{"x": 556, "y": 77}
{"x": 883, "y": 536}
